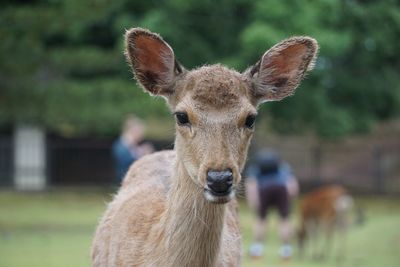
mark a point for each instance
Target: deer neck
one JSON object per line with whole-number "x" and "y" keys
{"x": 193, "y": 225}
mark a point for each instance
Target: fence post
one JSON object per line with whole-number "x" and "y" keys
{"x": 378, "y": 170}
{"x": 29, "y": 158}
{"x": 317, "y": 160}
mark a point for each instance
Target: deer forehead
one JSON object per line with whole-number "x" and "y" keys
{"x": 215, "y": 87}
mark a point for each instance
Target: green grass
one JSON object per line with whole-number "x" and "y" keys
{"x": 55, "y": 229}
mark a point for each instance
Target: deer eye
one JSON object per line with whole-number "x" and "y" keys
{"x": 182, "y": 118}
{"x": 250, "y": 121}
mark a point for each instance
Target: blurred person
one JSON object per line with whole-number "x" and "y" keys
{"x": 270, "y": 184}
{"x": 128, "y": 147}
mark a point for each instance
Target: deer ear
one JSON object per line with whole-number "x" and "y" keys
{"x": 281, "y": 68}
{"x": 152, "y": 60}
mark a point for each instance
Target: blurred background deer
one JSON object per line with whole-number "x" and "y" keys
{"x": 324, "y": 213}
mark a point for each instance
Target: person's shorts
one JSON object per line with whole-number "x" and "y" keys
{"x": 273, "y": 196}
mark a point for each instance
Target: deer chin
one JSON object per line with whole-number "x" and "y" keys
{"x": 218, "y": 199}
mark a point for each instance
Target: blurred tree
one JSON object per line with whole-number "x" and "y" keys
{"x": 61, "y": 62}
{"x": 355, "y": 82}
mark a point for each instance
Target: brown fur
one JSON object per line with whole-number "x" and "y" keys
{"x": 163, "y": 215}
{"x": 214, "y": 91}
{"x": 322, "y": 212}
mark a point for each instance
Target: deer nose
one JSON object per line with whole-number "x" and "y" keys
{"x": 220, "y": 182}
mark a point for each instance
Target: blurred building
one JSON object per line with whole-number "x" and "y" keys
{"x": 32, "y": 159}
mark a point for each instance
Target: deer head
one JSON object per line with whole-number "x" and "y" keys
{"x": 215, "y": 107}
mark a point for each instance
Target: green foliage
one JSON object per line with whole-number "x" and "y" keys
{"x": 61, "y": 62}
{"x": 102, "y": 105}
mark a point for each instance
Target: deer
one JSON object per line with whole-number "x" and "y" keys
{"x": 178, "y": 208}
{"x": 323, "y": 212}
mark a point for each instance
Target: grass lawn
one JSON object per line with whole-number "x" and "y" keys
{"x": 55, "y": 229}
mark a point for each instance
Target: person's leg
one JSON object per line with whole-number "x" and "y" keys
{"x": 257, "y": 247}
{"x": 285, "y": 226}
{"x": 285, "y": 233}
{"x": 285, "y": 230}
{"x": 252, "y": 194}
{"x": 260, "y": 230}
